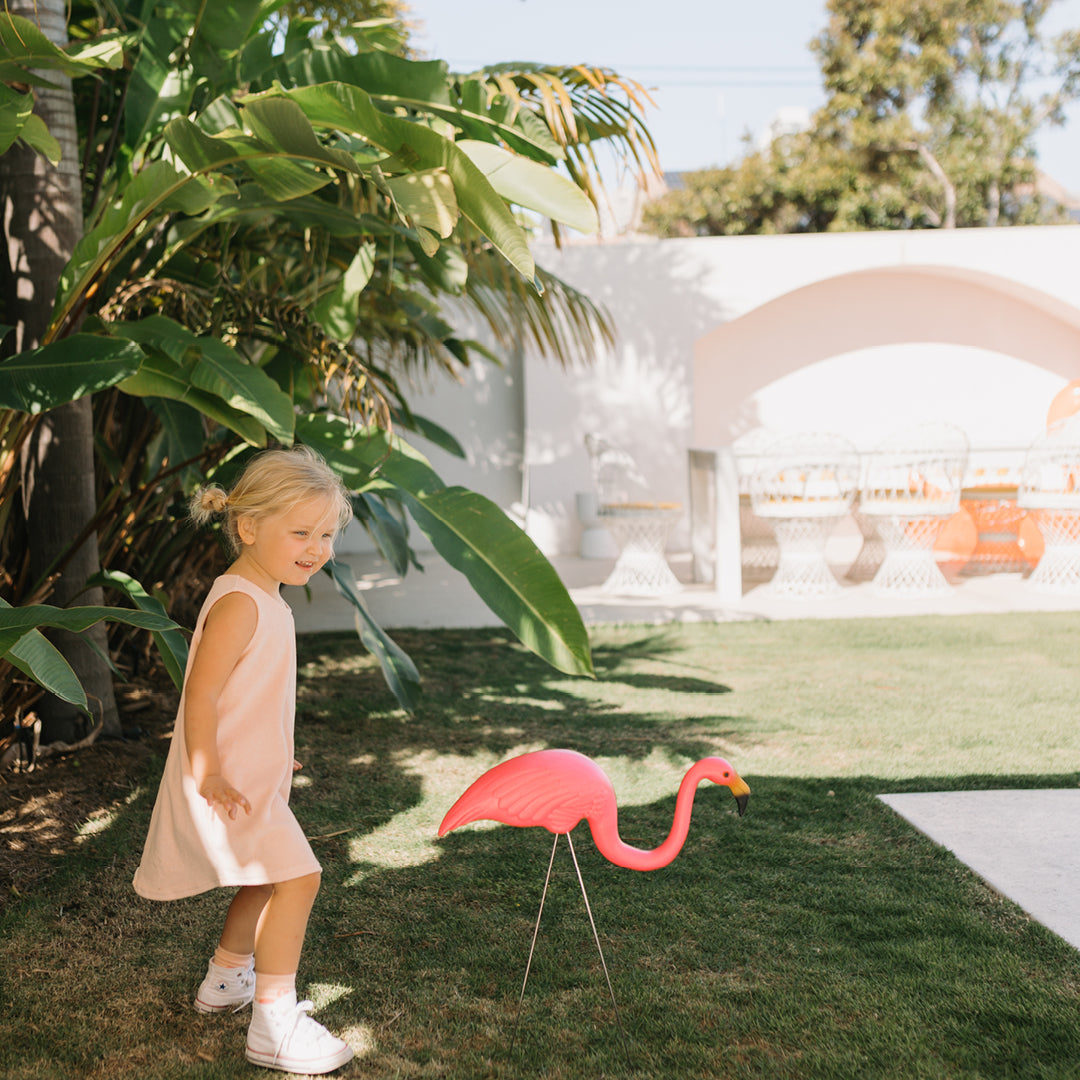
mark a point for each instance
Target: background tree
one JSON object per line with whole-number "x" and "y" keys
{"x": 930, "y": 120}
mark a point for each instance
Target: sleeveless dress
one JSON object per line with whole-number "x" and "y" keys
{"x": 190, "y": 847}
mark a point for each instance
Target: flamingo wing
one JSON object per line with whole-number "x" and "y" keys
{"x": 554, "y": 789}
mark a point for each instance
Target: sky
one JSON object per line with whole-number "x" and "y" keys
{"x": 716, "y": 69}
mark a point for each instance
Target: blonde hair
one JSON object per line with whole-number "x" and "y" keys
{"x": 274, "y": 481}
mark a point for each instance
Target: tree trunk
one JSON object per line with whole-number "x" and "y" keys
{"x": 993, "y": 204}
{"x": 42, "y": 212}
{"x": 948, "y": 220}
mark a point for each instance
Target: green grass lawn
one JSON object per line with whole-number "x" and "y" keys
{"x": 818, "y": 936}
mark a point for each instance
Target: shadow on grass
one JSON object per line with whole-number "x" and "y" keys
{"x": 819, "y": 936}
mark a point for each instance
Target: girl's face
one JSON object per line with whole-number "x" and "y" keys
{"x": 288, "y": 547}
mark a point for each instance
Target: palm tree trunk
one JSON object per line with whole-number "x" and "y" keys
{"x": 42, "y": 211}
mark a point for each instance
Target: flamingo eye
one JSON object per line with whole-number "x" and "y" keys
{"x": 726, "y": 775}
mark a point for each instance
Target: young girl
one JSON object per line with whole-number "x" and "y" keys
{"x": 222, "y": 815}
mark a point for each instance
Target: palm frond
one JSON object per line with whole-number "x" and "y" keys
{"x": 582, "y": 106}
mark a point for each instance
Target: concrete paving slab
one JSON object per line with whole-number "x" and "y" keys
{"x": 1024, "y": 844}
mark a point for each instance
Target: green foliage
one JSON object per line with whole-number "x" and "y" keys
{"x": 23, "y": 646}
{"x": 273, "y": 219}
{"x": 930, "y": 116}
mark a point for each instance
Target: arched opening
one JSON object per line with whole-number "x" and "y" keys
{"x": 865, "y": 352}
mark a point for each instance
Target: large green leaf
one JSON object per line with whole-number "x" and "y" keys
{"x": 337, "y": 310}
{"x": 416, "y": 148}
{"x": 274, "y": 170}
{"x": 388, "y": 532}
{"x": 38, "y": 137}
{"x": 424, "y": 86}
{"x": 209, "y": 365}
{"x": 207, "y": 37}
{"x": 171, "y": 644}
{"x": 428, "y": 202}
{"x": 277, "y": 154}
{"x": 15, "y": 622}
{"x": 182, "y": 435}
{"x": 355, "y": 453}
{"x": 41, "y": 379}
{"x": 23, "y": 47}
{"x": 37, "y": 658}
{"x": 160, "y": 376}
{"x": 434, "y": 433}
{"x": 244, "y": 387}
{"x": 159, "y": 88}
{"x": 507, "y": 571}
{"x": 159, "y": 188}
{"x": 504, "y": 567}
{"x": 15, "y": 110}
{"x": 398, "y": 669}
{"x": 379, "y": 74}
{"x": 533, "y": 186}
{"x": 281, "y": 124}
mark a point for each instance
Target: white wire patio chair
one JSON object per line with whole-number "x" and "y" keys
{"x": 804, "y": 484}
{"x": 911, "y": 486}
{"x": 1050, "y": 492}
{"x": 758, "y": 549}
{"x": 639, "y": 525}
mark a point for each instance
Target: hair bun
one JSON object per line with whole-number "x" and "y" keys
{"x": 213, "y": 500}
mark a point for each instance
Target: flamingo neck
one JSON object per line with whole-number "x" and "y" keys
{"x": 605, "y": 830}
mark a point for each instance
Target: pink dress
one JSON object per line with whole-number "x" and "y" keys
{"x": 190, "y": 847}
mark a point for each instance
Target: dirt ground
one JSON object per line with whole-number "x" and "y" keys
{"x": 42, "y": 811}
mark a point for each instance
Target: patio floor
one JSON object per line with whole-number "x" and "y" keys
{"x": 440, "y": 597}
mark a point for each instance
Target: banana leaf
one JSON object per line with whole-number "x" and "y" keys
{"x": 171, "y": 644}
{"x": 41, "y": 379}
{"x": 23, "y": 646}
{"x": 398, "y": 669}
{"x": 502, "y": 564}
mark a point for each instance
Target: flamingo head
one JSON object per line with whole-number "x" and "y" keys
{"x": 720, "y": 771}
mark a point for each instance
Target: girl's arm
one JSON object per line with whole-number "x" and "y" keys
{"x": 227, "y": 630}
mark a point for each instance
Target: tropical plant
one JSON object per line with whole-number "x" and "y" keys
{"x": 272, "y": 223}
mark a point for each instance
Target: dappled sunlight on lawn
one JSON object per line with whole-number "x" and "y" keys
{"x": 410, "y": 838}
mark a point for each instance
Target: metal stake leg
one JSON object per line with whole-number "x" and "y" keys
{"x": 596, "y": 938}
{"x": 532, "y": 947}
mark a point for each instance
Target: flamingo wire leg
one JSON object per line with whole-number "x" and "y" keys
{"x": 596, "y": 938}
{"x": 532, "y": 947}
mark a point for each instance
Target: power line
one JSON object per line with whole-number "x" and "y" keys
{"x": 741, "y": 69}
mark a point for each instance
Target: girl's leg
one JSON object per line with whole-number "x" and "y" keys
{"x": 242, "y": 919}
{"x": 281, "y": 1034}
{"x": 230, "y": 982}
{"x": 280, "y": 932}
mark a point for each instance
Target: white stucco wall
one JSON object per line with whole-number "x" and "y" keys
{"x": 857, "y": 333}
{"x": 485, "y": 412}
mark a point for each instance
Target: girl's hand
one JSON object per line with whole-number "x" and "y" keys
{"x": 296, "y": 766}
{"x": 217, "y": 791}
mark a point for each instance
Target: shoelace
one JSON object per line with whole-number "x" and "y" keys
{"x": 299, "y": 1017}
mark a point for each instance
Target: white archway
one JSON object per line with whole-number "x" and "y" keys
{"x": 975, "y": 347}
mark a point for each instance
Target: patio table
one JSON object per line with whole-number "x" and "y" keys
{"x": 640, "y": 531}
{"x": 997, "y": 518}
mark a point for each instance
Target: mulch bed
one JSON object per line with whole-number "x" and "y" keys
{"x": 43, "y": 810}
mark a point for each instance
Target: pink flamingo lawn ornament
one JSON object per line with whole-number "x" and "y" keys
{"x": 555, "y": 789}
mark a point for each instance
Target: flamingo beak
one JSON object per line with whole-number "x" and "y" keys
{"x": 741, "y": 790}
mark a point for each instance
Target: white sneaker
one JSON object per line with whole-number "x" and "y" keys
{"x": 225, "y": 988}
{"x": 282, "y": 1036}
